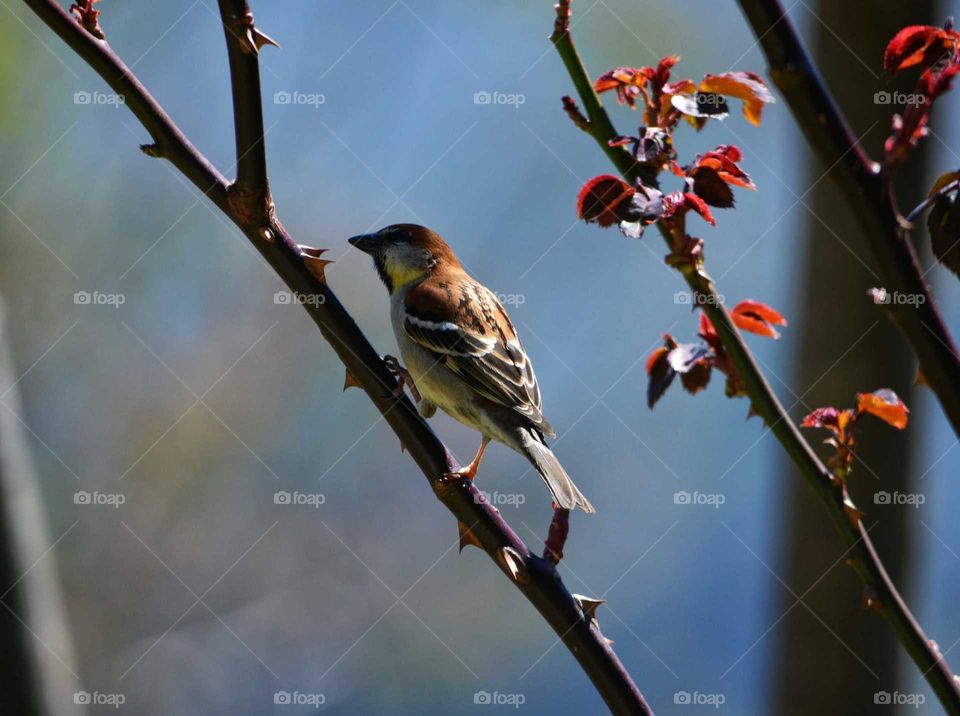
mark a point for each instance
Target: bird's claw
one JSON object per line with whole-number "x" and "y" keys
{"x": 403, "y": 378}
{"x": 469, "y": 472}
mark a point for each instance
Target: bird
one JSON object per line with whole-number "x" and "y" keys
{"x": 462, "y": 353}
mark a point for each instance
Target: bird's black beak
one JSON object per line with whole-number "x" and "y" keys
{"x": 368, "y": 243}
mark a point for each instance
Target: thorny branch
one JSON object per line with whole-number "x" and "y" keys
{"x": 248, "y": 203}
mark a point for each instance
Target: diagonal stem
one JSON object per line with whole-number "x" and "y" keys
{"x": 534, "y": 576}
{"x": 879, "y": 590}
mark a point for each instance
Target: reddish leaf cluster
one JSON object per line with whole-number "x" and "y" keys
{"x": 708, "y": 179}
{"x": 608, "y": 200}
{"x": 936, "y": 51}
{"x": 883, "y": 403}
{"x": 694, "y": 362}
{"x": 711, "y": 175}
{"x": 665, "y": 102}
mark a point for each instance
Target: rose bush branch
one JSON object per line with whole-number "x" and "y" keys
{"x": 879, "y": 591}
{"x": 866, "y": 186}
{"x": 247, "y": 202}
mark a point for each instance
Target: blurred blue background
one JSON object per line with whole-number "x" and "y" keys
{"x": 200, "y": 397}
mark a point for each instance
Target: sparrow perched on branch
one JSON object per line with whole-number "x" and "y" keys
{"x": 461, "y": 351}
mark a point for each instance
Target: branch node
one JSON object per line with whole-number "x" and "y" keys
{"x": 561, "y": 25}
{"x": 252, "y": 207}
{"x": 88, "y": 18}
{"x": 575, "y": 115}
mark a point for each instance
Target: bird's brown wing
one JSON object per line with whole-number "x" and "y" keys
{"x": 464, "y": 324}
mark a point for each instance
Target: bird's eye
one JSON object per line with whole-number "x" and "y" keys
{"x": 398, "y": 235}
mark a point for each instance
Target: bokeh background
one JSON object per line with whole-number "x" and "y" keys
{"x": 199, "y": 396}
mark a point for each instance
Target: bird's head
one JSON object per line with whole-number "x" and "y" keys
{"x": 405, "y": 254}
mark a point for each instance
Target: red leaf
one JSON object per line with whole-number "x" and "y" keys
{"x": 917, "y": 44}
{"x": 660, "y": 373}
{"x": 709, "y": 185}
{"x": 758, "y": 318}
{"x": 724, "y": 160}
{"x": 884, "y": 404}
{"x": 745, "y": 86}
{"x": 697, "y": 377}
{"x": 602, "y": 200}
{"x": 655, "y": 358}
{"x": 699, "y": 206}
{"x": 627, "y": 81}
{"x": 822, "y": 418}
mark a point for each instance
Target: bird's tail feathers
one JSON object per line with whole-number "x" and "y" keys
{"x": 565, "y": 493}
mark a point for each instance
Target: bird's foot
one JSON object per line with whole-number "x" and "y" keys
{"x": 469, "y": 471}
{"x": 403, "y": 378}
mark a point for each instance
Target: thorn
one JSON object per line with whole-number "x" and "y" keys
{"x": 853, "y": 513}
{"x": 260, "y": 39}
{"x": 589, "y": 604}
{"x": 350, "y": 382}
{"x": 511, "y": 561}
{"x": 467, "y": 537}
{"x": 311, "y": 257}
{"x": 921, "y": 379}
{"x": 610, "y": 642}
{"x": 152, "y": 150}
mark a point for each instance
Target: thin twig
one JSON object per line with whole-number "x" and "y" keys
{"x": 868, "y": 192}
{"x": 535, "y": 577}
{"x": 880, "y": 592}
